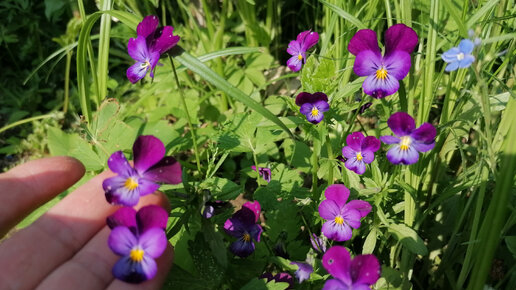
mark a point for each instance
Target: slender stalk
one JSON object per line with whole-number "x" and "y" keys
{"x": 315, "y": 164}
{"x": 20, "y": 122}
{"x": 188, "y": 119}
{"x": 67, "y": 81}
{"x": 330, "y": 158}
{"x": 103, "y": 55}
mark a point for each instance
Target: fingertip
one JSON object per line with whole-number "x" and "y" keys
{"x": 157, "y": 198}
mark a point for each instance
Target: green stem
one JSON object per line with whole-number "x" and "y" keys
{"x": 188, "y": 119}
{"x": 20, "y": 122}
{"x": 330, "y": 158}
{"x": 67, "y": 81}
{"x": 315, "y": 166}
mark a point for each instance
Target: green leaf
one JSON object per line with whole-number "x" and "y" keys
{"x": 510, "y": 241}
{"x": 409, "y": 238}
{"x": 480, "y": 12}
{"x": 370, "y": 242}
{"x": 345, "y": 15}
{"x": 222, "y": 188}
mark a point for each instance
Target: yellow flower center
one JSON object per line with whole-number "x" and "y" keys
{"x": 145, "y": 64}
{"x": 299, "y": 56}
{"x": 246, "y": 237}
{"x": 460, "y": 56}
{"x": 405, "y": 143}
{"x": 381, "y": 73}
{"x": 136, "y": 255}
{"x": 359, "y": 156}
{"x": 315, "y": 112}
{"x": 339, "y": 220}
{"x": 131, "y": 183}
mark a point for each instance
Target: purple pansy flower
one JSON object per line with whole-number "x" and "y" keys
{"x": 383, "y": 72}
{"x": 341, "y": 216}
{"x": 351, "y": 274}
{"x": 297, "y": 48}
{"x": 263, "y": 172}
{"x": 139, "y": 237}
{"x": 150, "y": 167}
{"x": 360, "y": 150}
{"x": 280, "y": 277}
{"x": 410, "y": 141}
{"x": 319, "y": 244}
{"x": 151, "y": 42}
{"x": 303, "y": 272}
{"x": 242, "y": 225}
{"x": 459, "y": 57}
{"x": 313, "y": 106}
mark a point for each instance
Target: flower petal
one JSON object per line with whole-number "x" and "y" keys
{"x": 146, "y": 187}
{"x": 348, "y": 152}
{"x": 153, "y": 242}
{"x": 398, "y": 64}
{"x": 151, "y": 216}
{"x": 137, "y": 49}
{"x": 338, "y": 193}
{"x": 364, "y": 39}
{"x": 322, "y": 106}
{"x": 328, "y": 209}
{"x": 363, "y": 207}
{"x": 466, "y": 61}
{"x": 303, "y": 272}
{"x": 354, "y": 165}
{"x": 466, "y": 46}
{"x": 425, "y": 133}
{"x": 354, "y": 140}
{"x": 401, "y": 124}
{"x": 370, "y": 143}
{"x": 119, "y": 164}
{"x": 166, "y": 40}
{"x": 255, "y": 208}
{"x": 452, "y": 66}
{"x": 380, "y": 88}
{"x": 124, "y": 216}
{"x": 121, "y": 240}
{"x": 310, "y": 39}
{"x": 123, "y": 196}
{"x": 351, "y": 217}
{"x": 365, "y": 269}
{"x": 337, "y": 261}
{"x": 147, "y": 26}
{"x": 294, "y": 48}
{"x": 368, "y": 156}
{"x": 390, "y": 139}
{"x": 334, "y": 284}
{"x": 294, "y": 63}
{"x": 336, "y": 232}
{"x": 242, "y": 248}
{"x": 367, "y": 63}
{"x": 304, "y": 97}
{"x": 137, "y": 72}
{"x": 167, "y": 170}
{"x": 396, "y": 156}
{"x": 423, "y": 147}
{"x": 400, "y": 37}
{"x": 451, "y": 54}
{"x": 148, "y": 150}
{"x": 129, "y": 271}
{"x": 255, "y": 231}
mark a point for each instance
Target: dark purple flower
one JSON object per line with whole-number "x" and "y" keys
{"x": 360, "y": 150}
{"x": 351, "y": 274}
{"x": 341, "y": 216}
{"x": 263, "y": 172}
{"x": 151, "y": 42}
{"x": 313, "y": 106}
{"x": 303, "y": 272}
{"x": 318, "y": 243}
{"x": 280, "y": 277}
{"x": 150, "y": 166}
{"x": 410, "y": 141}
{"x": 139, "y": 237}
{"x": 383, "y": 72}
{"x": 297, "y": 48}
{"x": 242, "y": 225}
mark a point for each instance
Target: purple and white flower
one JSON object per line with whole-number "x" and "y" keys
{"x": 409, "y": 141}
{"x": 139, "y": 238}
{"x": 383, "y": 72}
{"x": 351, "y": 274}
{"x": 297, "y": 48}
{"x": 318, "y": 243}
{"x": 460, "y": 56}
{"x": 360, "y": 151}
{"x": 242, "y": 225}
{"x": 150, "y": 167}
{"x": 340, "y": 216}
{"x": 303, "y": 271}
{"x": 313, "y": 106}
{"x": 151, "y": 42}
{"x": 264, "y": 172}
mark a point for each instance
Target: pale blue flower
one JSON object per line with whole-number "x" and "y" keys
{"x": 459, "y": 57}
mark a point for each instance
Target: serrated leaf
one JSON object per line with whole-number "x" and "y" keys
{"x": 409, "y": 238}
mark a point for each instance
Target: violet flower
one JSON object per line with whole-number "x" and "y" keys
{"x": 383, "y": 72}
{"x": 263, "y": 172}
{"x": 360, "y": 150}
{"x": 460, "y": 56}
{"x": 297, "y": 48}
{"x": 319, "y": 244}
{"x": 242, "y": 225}
{"x": 139, "y": 237}
{"x": 351, "y": 274}
{"x": 151, "y": 42}
{"x": 313, "y": 106}
{"x": 303, "y": 272}
{"x": 341, "y": 216}
{"x": 410, "y": 141}
{"x": 150, "y": 166}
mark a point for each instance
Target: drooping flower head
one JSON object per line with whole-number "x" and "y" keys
{"x": 360, "y": 150}
{"x": 297, "y": 48}
{"x": 318, "y": 243}
{"x": 264, "y": 172}
{"x": 383, "y": 72}
{"x": 151, "y": 42}
{"x": 341, "y": 216}
{"x": 409, "y": 141}
{"x": 303, "y": 272}
{"x": 242, "y": 225}
{"x": 212, "y": 208}
{"x": 280, "y": 277}
{"x": 139, "y": 238}
{"x": 351, "y": 274}
{"x": 313, "y": 106}
{"x": 150, "y": 166}
{"x": 460, "y": 56}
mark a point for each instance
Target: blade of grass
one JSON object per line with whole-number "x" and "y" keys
{"x": 103, "y": 54}
{"x": 345, "y": 15}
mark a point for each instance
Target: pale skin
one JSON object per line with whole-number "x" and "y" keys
{"x": 66, "y": 248}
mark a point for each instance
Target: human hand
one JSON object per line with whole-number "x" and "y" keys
{"x": 66, "y": 248}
